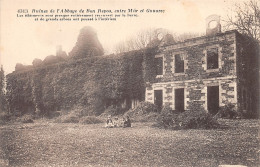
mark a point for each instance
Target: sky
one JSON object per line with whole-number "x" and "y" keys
{"x": 23, "y": 39}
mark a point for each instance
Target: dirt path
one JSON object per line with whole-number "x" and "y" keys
{"x": 49, "y": 144}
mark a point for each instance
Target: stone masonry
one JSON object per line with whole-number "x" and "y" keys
{"x": 197, "y": 77}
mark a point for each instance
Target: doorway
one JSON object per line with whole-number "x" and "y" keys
{"x": 158, "y": 98}
{"x": 179, "y": 99}
{"x": 213, "y": 99}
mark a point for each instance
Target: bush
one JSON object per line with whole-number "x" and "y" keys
{"x": 77, "y": 115}
{"x": 53, "y": 114}
{"x": 186, "y": 120}
{"x": 227, "y": 111}
{"x": 4, "y": 118}
{"x": 167, "y": 117}
{"x": 143, "y": 108}
{"x": 27, "y": 119}
{"x": 11, "y": 118}
{"x": 196, "y": 120}
{"x": 148, "y": 117}
{"x": 143, "y": 112}
{"x": 90, "y": 120}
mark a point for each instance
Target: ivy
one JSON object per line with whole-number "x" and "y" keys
{"x": 93, "y": 83}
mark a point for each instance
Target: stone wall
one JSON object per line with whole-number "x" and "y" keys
{"x": 195, "y": 92}
{"x": 196, "y": 76}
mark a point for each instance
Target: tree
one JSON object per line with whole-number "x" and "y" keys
{"x": 2, "y": 89}
{"x": 144, "y": 38}
{"x": 246, "y": 19}
{"x": 151, "y": 38}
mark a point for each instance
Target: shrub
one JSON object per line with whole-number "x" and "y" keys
{"x": 4, "y": 118}
{"x": 227, "y": 111}
{"x": 167, "y": 117}
{"x": 186, "y": 120}
{"x": 77, "y": 115}
{"x": 90, "y": 120}
{"x": 27, "y": 119}
{"x": 248, "y": 114}
{"x": 144, "y": 111}
{"x": 142, "y": 108}
{"x": 148, "y": 117}
{"x": 196, "y": 120}
{"x": 53, "y": 114}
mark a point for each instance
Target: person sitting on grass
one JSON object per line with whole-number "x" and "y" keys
{"x": 127, "y": 122}
{"x": 109, "y": 122}
{"x": 116, "y": 122}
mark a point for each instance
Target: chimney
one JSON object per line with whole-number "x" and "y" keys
{"x": 213, "y": 25}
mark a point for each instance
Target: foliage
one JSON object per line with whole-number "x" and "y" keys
{"x": 2, "y": 90}
{"x": 87, "y": 44}
{"x": 142, "y": 108}
{"x": 21, "y": 67}
{"x": 77, "y": 116}
{"x": 90, "y": 120}
{"x": 196, "y": 120}
{"x": 149, "y": 67}
{"x": 89, "y": 83}
{"x": 27, "y": 119}
{"x": 37, "y": 62}
{"x": 246, "y": 19}
{"x": 52, "y": 114}
{"x": 166, "y": 117}
{"x": 144, "y": 111}
{"x": 85, "y": 79}
{"x": 227, "y": 111}
{"x": 18, "y": 94}
{"x": 150, "y": 38}
{"x": 4, "y": 117}
{"x": 186, "y": 120}
{"x": 145, "y": 38}
{"x": 166, "y": 40}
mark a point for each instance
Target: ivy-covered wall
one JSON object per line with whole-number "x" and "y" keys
{"x": 94, "y": 83}
{"x": 248, "y": 54}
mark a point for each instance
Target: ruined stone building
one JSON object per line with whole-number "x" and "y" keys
{"x": 202, "y": 73}
{"x": 207, "y": 72}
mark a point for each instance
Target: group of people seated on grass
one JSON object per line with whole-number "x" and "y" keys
{"x": 126, "y": 122}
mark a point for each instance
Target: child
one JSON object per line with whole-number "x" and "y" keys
{"x": 109, "y": 123}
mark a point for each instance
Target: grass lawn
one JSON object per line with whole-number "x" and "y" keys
{"x": 53, "y": 144}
